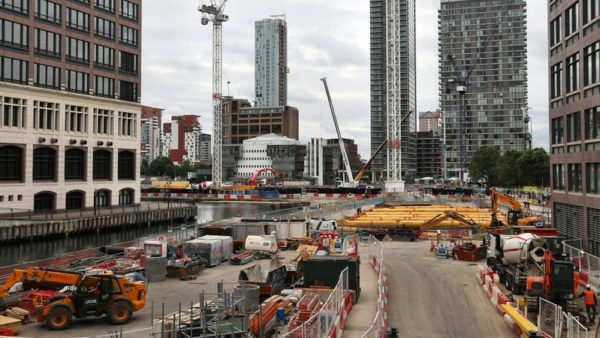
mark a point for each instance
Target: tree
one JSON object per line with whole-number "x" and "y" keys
{"x": 534, "y": 167}
{"x": 484, "y": 164}
{"x": 507, "y": 168}
{"x": 161, "y": 166}
{"x": 144, "y": 168}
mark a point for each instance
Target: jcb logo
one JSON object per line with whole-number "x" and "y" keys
{"x": 90, "y": 301}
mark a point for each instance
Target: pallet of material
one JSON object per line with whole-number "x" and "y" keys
{"x": 18, "y": 313}
{"x": 10, "y": 323}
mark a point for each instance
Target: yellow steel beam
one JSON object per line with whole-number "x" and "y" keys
{"x": 527, "y": 327}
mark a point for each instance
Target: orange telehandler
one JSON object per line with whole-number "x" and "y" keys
{"x": 94, "y": 294}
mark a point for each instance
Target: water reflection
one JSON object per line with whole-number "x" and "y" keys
{"x": 14, "y": 253}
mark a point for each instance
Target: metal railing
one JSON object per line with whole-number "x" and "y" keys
{"x": 588, "y": 265}
{"x": 322, "y": 322}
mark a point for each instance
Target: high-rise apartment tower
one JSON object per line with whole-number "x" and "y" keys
{"x": 489, "y": 36}
{"x": 270, "y": 66}
{"x": 400, "y": 13}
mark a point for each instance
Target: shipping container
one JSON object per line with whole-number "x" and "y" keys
{"x": 326, "y": 270}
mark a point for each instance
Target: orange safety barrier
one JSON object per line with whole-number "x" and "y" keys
{"x": 268, "y": 311}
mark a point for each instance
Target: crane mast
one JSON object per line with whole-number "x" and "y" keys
{"x": 340, "y": 140}
{"x": 214, "y": 13}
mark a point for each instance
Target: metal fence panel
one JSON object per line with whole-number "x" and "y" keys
{"x": 550, "y": 318}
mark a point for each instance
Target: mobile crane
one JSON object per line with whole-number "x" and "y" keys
{"x": 252, "y": 181}
{"x": 515, "y": 215}
{"x": 95, "y": 294}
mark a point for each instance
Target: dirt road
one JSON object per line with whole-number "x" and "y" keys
{"x": 430, "y": 297}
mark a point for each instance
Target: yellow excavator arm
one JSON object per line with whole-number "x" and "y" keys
{"x": 39, "y": 277}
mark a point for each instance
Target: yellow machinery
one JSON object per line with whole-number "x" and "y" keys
{"x": 94, "y": 295}
{"x": 170, "y": 185}
{"x": 416, "y": 217}
{"x": 515, "y": 215}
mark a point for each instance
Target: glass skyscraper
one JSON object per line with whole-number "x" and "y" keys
{"x": 270, "y": 67}
{"x": 407, "y": 86}
{"x": 496, "y": 91}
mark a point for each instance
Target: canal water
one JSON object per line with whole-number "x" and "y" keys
{"x": 14, "y": 253}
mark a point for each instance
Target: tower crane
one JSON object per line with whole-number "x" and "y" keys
{"x": 461, "y": 84}
{"x": 214, "y": 13}
{"x": 340, "y": 140}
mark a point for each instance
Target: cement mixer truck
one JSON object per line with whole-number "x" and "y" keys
{"x": 514, "y": 258}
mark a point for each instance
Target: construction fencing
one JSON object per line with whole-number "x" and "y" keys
{"x": 326, "y": 322}
{"x": 588, "y": 265}
{"x": 555, "y": 323}
{"x": 377, "y": 329}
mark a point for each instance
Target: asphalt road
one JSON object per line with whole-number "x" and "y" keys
{"x": 430, "y": 297}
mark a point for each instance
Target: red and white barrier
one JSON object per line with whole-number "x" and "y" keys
{"x": 487, "y": 279}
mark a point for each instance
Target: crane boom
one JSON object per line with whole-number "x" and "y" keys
{"x": 340, "y": 140}
{"x": 364, "y": 168}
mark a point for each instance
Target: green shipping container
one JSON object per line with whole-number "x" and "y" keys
{"x": 325, "y": 271}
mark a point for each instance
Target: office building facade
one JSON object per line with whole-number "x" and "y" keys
{"x": 489, "y": 37}
{"x": 69, "y": 88}
{"x": 181, "y": 139}
{"x": 407, "y": 97}
{"x": 241, "y": 121}
{"x": 270, "y": 69}
{"x": 574, "y": 96}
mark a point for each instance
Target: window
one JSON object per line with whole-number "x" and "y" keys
{"x": 11, "y": 162}
{"x": 573, "y": 127}
{"x": 74, "y": 164}
{"x": 104, "y": 86}
{"x": 128, "y": 62}
{"x": 107, "y": 5}
{"x": 21, "y": 6}
{"x": 556, "y": 81}
{"x": 47, "y": 10}
{"x": 592, "y": 173}
{"x": 126, "y": 165}
{"x": 78, "y": 50}
{"x": 43, "y": 201}
{"x": 129, "y": 35}
{"x": 74, "y": 200}
{"x": 43, "y": 164}
{"x": 13, "y": 70}
{"x": 102, "y": 164}
{"x": 127, "y": 124}
{"x": 557, "y": 130}
{"x": 129, "y": 10}
{"x": 125, "y": 197}
{"x": 571, "y": 19}
{"x": 76, "y": 118}
{"x": 575, "y": 177}
{"x": 101, "y": 198}
{"x": 128, "y": 91}
{"x": 555, "y": 35}
{"x": 104, "y": 56}
{"x": 46, "y": 42}
{"x": 572, "y": 73}
{"x": 592, "y": 123}
{"x": 77, "y": 82}
{"x": 78, "y": 20}
{"x": 13, "y": 34}
{"x": 14, "y": 112}
{"x": 45, "y": 115}
{"x": 103, "y": 121}
{"x": 591, "y": 9}
{"x": 591, "y": 64}
{"x": 104, "y": 28}
{"x": 46, "y": 76}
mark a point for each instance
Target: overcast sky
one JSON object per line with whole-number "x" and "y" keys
{"x": 325, "y": 38}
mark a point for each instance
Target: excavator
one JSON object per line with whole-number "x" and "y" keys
{"x": 515, "y": 215}
{"x": 252, "y": 180}
{"x": 94, "y": 294}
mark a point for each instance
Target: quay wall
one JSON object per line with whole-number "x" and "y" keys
{"x": 16, "y": 230}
